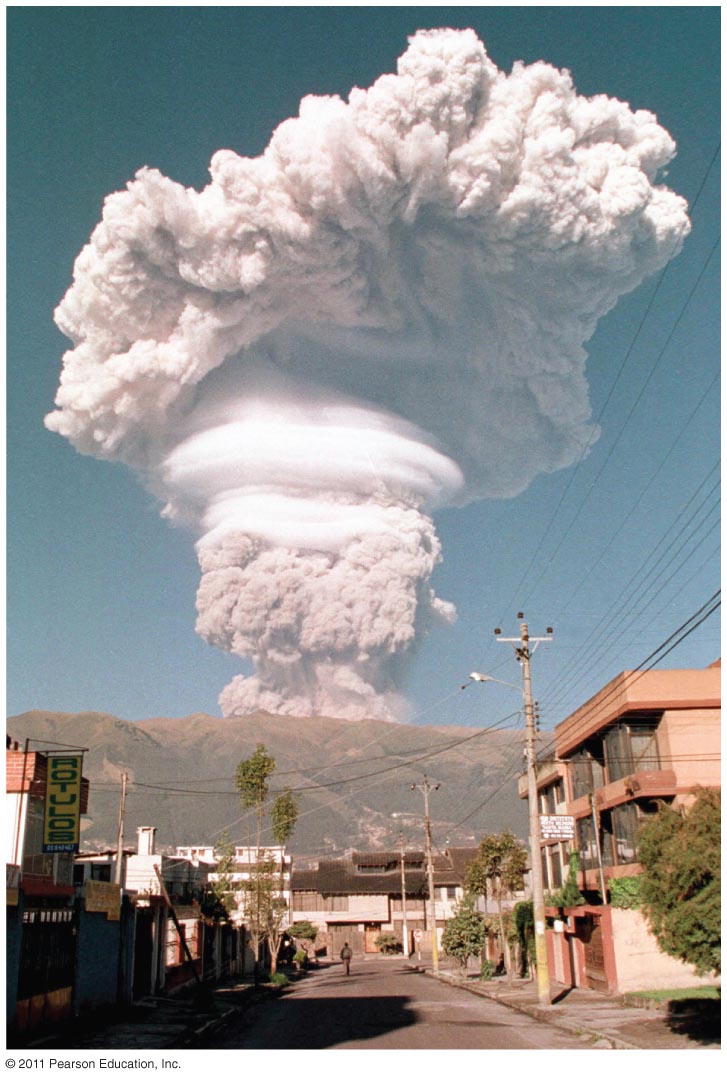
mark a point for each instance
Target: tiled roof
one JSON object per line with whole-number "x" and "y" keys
{"x": 358, "y": 874}
{"x": 341, "y": 877}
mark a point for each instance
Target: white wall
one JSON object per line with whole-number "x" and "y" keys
{"x": 639, "y": 963}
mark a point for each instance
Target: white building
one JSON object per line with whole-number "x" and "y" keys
{"x": 246, "y": 858}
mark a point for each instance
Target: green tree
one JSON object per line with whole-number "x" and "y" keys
{"x": 525, "y": 929}
{"x": 283, "y": 817}
{"x": 465, "y": 933}
{"x": 498, "y": 871}
{"x": 303, "y": 929}
{"x": 570, "y": 895}
{"x": 681, "y": 883}
{"x": 263, "y": 903}
{"x": 220, "y": 899}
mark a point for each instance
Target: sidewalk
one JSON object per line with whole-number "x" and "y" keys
{"x": 603, "y": 1021}
{"x": 157, "y": 1023}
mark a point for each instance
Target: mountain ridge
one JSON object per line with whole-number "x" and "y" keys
{"x": 353, "y": 778}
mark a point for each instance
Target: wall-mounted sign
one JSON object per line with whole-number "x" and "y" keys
{"x": 104, "y": 896}
{"x": 557, "y": 827}
{"x": 62, "y": 824}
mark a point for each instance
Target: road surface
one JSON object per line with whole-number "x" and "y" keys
{"x": 385, "y": 1005}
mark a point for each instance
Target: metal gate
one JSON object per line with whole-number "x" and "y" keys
{"x": 47, "y": 965}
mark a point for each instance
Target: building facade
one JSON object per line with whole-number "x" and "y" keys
{"x": 357, "y": 898}
{"x": 646, "y": 737}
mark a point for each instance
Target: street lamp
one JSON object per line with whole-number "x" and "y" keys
{"x": 524, "y": 651}
{"x": 477, "y": 676}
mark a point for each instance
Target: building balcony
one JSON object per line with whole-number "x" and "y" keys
{"x": 649, "y": 784}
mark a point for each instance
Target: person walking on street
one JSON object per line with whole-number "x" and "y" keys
{"x": 346, "y": 955}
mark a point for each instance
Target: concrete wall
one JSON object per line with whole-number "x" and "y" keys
{"x": 639, "y": 963}
{"x": 691, "y": 745}
{"x": 98, "y": 952}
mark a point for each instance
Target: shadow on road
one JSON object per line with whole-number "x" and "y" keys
{"x": 698, "y": 1018}
{"x": 324, "y": 1022}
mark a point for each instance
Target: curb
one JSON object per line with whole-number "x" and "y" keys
{"x": 211, "y": 1025}
{"x": 537, "y": 1013}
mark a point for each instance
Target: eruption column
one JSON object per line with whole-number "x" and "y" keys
{"x": 383, "y": 314}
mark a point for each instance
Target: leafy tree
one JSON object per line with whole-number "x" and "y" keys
{"x": 263, "y": 903}
{"x": 220, "y": 900}
{"x": 303, "y": 929}
{"x": 465, "y": 934}
{"x": 681, "y": 883}
{"x": 498, "y": 870}
{"x": 524, "y": 921}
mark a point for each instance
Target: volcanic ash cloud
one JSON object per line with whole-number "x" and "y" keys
{"x": 382, "y": 315}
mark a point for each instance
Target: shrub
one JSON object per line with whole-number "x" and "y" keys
{"x": 303, "y": 929}
{"x": 388, "y": 943}
{"x": 487, "y": 970}
{"x": 300, "y": 957}
{"x": 625, "y": 892}
{"x": 276, "y": 978}
{"x": 569, "y": 895}
{"x": 681, "y": 883}
{"x": 464, "y": 934}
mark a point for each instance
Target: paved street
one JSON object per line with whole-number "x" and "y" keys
{"x": 384, "y": 1005}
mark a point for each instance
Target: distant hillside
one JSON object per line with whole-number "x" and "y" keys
{"x": 181, "y": 777}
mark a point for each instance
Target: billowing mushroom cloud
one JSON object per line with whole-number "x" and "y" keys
{"x": 381, "y": 315}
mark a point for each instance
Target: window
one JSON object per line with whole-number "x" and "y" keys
{"x": 555, "y": 852}
{"x": 308, "y": 900}
{"x": 551, "y": 796}
{"x": 587, "y": 849}
{"x": 631, "y": 747}
{"x": 338, "y": 903}
{"x": 34, "y": 861}
{"x": 644, "y": 751}
{"x": 587, "y": 773}
{"x": 625, "y": 823}
{"x": 448, "y": 892}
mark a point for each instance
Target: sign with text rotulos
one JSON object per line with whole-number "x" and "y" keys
{"x": 62, "y": 821}
{"x": 557, "y": 827}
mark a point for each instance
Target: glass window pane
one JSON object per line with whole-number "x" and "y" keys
{"x": 625, "y": 824}
{"x": 644, "y": 752}
{"x": 617, "y": 759}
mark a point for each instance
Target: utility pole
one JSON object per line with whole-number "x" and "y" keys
{"x": 118, "y": 875}
{"x": 523, "y": 651}
{"x": 425, "y": 789}
{"x": 404, "y": 928}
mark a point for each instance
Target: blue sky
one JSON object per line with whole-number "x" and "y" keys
{"x": 616, "y": 553}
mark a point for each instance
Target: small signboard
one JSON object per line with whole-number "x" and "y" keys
{"x": 62, "y": 824}
{"x": 557, "y": 827}
{"x": 104, "y": 896}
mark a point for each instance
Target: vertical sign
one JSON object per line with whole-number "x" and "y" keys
{"x": 62, "y": 823}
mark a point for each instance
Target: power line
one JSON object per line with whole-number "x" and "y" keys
{"x": 621, "y": 369}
